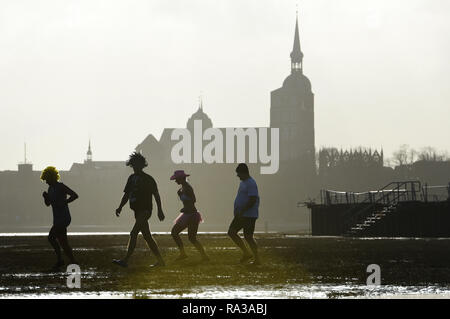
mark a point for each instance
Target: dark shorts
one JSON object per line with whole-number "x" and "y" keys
{"x": 142, "y": 214}
{"x": 141, "y": 224}
{"x": 61, "y": 220}
{"x": 246, "y": 223}
{"x": 58, "y": 231}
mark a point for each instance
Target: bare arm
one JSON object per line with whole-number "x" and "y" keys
{"x": 158, "y": 203}
{"x": 72, "y": 195}
{"x": 46, "y": 199}
{"x": 123, "y": 201}
{"x": 191, "y": 193}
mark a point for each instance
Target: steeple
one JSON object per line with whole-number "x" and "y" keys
{"x": 296, "y": 54}
{"x": 200, "y": 98}
{"x": 89, "y": 153}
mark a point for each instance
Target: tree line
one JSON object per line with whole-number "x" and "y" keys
{"x": 407, "y": 155}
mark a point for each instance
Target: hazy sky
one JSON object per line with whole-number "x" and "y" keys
{"x": 116, "y": 71}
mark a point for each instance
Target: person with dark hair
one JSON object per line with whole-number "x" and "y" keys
{"x": 56, "y": 196}
{"x": 189, "y": 218}
{"x": 138, "y": 191}
{"x": 246, "y": 207}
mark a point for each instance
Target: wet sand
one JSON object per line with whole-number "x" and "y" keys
{"x": 293, "y": 267}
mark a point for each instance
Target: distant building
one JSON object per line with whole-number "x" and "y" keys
{"x": 90, "y": 165}
{"x": 353, "y": 169}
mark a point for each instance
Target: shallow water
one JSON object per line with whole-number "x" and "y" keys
{"x": 271, "y": 292}
{"x": 296, "y": 266}
{"x": 31, "y": 234}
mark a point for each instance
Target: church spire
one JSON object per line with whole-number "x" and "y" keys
{"x": 200, "y": 102}
{"x": 89, "y": 153}
{"x": 296, "y": 54}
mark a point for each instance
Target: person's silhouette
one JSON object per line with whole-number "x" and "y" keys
{"x": 246, "y": 207}
{"x": 189, "y": 218}
{"x": 56, "y": 196}
{"x": 138, "y": 191}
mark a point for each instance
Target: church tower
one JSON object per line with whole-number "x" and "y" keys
{"x": 292, "y": 111}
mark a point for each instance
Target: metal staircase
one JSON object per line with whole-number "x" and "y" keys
{"x": 379, "y": 205}
{"x": 373, "y": 219}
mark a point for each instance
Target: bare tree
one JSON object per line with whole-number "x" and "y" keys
{"x": 401, "y": 156}
{"x": 430, "y": 154}
{"x": 412, "y": 155}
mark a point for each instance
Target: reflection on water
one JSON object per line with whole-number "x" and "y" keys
{"x": 31, "y": 234}
{"x": 314, "y": 291}
{"x": 269, "y": 292}
{"x": 84, "y": 274}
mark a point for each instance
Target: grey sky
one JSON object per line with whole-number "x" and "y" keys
{"x": 116, "y": 71}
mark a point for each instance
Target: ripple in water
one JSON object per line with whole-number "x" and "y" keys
{"x": 268, "y": 292}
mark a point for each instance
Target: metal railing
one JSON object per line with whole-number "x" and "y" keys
{"x": 412, "y": 191}
{"x": 436, "y": 193}
{"x": 404, "y": 191}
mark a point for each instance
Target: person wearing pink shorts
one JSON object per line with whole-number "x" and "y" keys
{"x": 189, "y": 218}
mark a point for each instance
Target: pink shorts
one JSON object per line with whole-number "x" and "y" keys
{"x": 184, "y": 220}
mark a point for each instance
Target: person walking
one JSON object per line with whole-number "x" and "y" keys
{"x": 139, "y": 189}
{"x": 246, "y": 206}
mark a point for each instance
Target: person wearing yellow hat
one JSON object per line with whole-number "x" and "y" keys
{"x": 56, "y": 196}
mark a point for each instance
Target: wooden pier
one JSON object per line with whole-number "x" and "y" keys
{"x": 400, "y": 209}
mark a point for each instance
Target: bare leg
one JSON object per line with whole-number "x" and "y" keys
{"x": 151, "y": 243}
{"x": 192, "y": 234}
{"x": 240, "y": 243}
{"x": 52, "y": 240}
{"x": 176, "y": 230}
{"x": 251, "y": 242}
{"x": 66, "y": 247}
{"x": 132, "y": 241}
